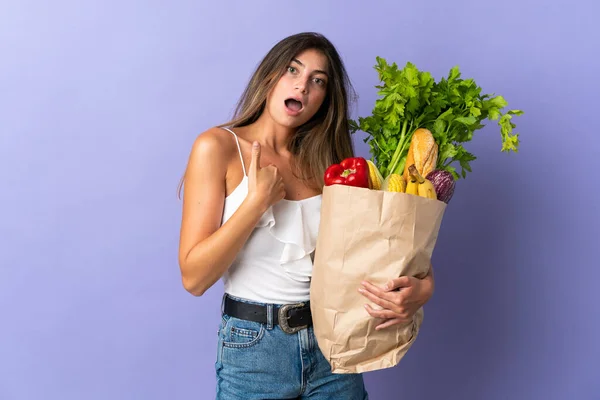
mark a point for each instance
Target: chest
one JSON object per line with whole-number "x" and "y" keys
{"x": 295, "y": 188}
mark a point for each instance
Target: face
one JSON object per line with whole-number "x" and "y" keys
{"x": 300, "y": 91}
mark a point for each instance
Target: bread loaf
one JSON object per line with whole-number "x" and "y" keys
{"x": 423, "y": 153}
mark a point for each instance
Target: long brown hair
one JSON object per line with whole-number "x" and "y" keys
{"x": 324, "y": 139}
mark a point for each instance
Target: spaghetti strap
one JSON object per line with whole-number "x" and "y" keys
{"x": 239, "y": 149}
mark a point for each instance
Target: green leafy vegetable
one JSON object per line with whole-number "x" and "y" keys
{"x": 452, "y": 109}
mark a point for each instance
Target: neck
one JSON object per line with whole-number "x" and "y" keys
{"x": 268, "y": 133}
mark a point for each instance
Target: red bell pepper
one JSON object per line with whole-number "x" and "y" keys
{"x": 352, "y": 171}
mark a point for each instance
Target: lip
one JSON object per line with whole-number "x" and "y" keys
{"x": 292, "y": 112}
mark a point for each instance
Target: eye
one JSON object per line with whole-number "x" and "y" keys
{"x": 292, "y": 70}
{"x": 319, "y": 81}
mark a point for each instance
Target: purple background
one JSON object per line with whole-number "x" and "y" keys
{"x": 100, "y": 102}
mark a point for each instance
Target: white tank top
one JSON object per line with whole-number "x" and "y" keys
{"x": 275, "y": 265}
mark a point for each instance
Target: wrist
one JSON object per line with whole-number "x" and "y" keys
{"x": 427, "y": 288}
{"x": 255, "y": 205}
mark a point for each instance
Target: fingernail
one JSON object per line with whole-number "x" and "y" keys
{"x": 255, "y": 144}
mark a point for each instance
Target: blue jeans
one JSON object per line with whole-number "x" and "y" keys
{"x": 258, "y": 361}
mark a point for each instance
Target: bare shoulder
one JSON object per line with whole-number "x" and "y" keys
{"x": 211, "y": 163}
{"x": 214, "y": 144}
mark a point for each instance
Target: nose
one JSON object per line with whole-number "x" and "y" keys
{"x": 301, "y": 85}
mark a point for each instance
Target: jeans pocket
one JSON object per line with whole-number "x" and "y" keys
{"x": 239, "y": 333}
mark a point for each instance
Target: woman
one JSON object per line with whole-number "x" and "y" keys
{"x": 250, "y": 217}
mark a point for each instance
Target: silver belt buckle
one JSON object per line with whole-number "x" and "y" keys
{"x": 283, "y": 318}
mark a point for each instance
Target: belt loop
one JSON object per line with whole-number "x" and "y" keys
{"x": 269, "y": 316}
{"x": 223, "y": 303}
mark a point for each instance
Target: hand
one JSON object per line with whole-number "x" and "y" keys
{"x": 400, "y": 299}
{"x": 265, "y": 185}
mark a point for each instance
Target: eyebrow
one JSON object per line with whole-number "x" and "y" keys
{"x": 317, "y": 70}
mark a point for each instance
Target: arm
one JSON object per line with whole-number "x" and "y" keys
{"x": 427, "y": 286}
{"x": 207, "y": 249}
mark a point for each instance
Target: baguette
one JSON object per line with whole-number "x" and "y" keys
{"x": 423, "y": 153}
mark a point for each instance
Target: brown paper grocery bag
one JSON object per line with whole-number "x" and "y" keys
{"x": 367, "y": 235}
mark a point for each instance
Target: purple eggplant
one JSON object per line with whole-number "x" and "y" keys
{"x": 444, "y": 183}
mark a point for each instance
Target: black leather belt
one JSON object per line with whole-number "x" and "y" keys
{"x": 290, "y": 317}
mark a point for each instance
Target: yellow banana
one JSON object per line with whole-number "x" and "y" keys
{"x": 412, "y": 186}
{"x": 424, "y": 187}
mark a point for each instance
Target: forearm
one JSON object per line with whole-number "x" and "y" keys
{"x": 208, "y": 260}
{"x": 428, "y": 285}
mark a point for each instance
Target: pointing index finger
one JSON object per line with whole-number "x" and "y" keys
{"x": 255, "y": 162}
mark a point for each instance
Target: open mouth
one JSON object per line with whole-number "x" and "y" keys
{"x": 294, "y": 105}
